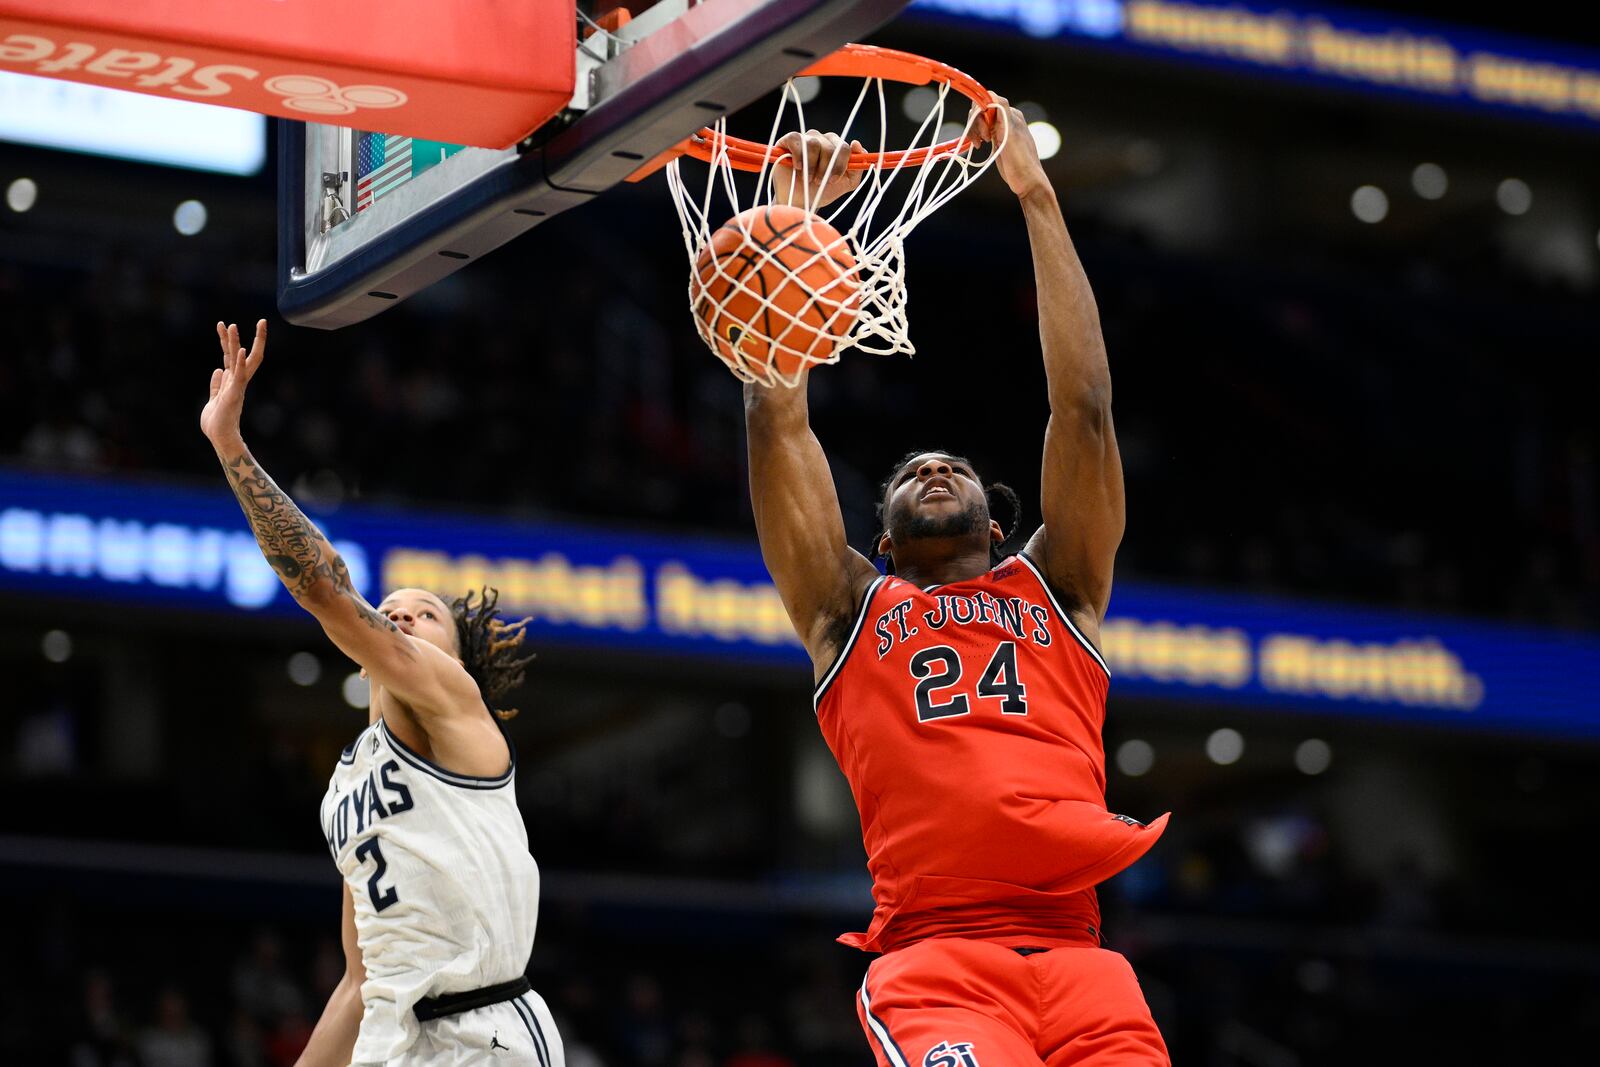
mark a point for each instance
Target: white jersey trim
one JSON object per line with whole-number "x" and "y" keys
{"x": 464, "y": 781}
{"x": 844, "y": 653}
{"x": 1082, "y": 640}
{"x": 891, "y": 1048}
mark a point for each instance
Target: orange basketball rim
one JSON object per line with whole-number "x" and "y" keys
{"x": 852, "y": 61}
{"x": 896, "y": 191}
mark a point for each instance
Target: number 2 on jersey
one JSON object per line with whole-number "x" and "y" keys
{"x": 381, "y": 898}
{"x": 939, "y": 668}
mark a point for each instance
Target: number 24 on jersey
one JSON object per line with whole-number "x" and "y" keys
{"x": 939, "y": 668}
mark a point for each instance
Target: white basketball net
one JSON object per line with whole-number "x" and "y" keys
{"x": 873, "y": 221}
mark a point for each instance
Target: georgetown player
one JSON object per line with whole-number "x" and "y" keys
{"x": 440, "y": 893}
{"x": 963, "y": 695}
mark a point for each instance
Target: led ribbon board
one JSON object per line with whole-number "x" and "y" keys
{"x": 187, "y": 549}
{"x": 1326, "y": 45}
{"x": 104, "y": 122}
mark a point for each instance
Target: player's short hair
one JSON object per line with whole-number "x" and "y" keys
{"x": 489, "y": 646}
{"x": 990, "y": 491}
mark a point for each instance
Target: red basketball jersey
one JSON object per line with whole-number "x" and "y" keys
{"x": 967, "y": 719}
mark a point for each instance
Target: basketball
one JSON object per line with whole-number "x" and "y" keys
{"x": 775, "y": 290}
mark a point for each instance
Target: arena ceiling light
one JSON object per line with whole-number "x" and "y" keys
{"x": 304, "y": 668}
{"x": 22, "y": 194}
{"x": 1135, "y": 757}
{"x": 189, "y": 218}
{"x": 918, "y": 101}
{"x": 1430, "y": 181}
{"x": 355, "y": 690}
{"x": 1313, "y": 756}
{"x": 56, "y": 646}
{"x": 1514, "y": 196}
{"x": 1369, "y": 204}
{"x": 1047, "y": 137}
{"x": 1225, "y": 746}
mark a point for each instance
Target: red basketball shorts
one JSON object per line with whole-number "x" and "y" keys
{"x": 955, "y": 1002}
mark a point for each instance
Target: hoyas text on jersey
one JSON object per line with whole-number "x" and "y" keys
{"x": 1024, "y": 620}
{"x": 382, "y": 795}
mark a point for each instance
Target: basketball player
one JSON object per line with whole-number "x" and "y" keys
{"x": 963, "y": 696}
{"x": 440, "y": 893}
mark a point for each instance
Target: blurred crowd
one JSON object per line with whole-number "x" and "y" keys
{"x": 784, "y": 997}
{"x": 1411, "y": 431}
{"x": 1282, "y": 920}
{"x": 252, "y": 1003}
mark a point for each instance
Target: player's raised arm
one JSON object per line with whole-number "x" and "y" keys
{"x": 1081, "y": 492}
{"x": 426, "y": 677}
{"x": 818, "y": 575}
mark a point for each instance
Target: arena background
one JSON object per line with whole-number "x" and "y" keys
{"x": 1358, "y": 430}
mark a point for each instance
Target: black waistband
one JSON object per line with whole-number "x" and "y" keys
{"x": 456, "y": 1003}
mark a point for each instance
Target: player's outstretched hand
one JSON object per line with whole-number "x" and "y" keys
{"x": 1019, "y": 156}
{"x": 816, "y": 171}
{"x": 219, "y": 420}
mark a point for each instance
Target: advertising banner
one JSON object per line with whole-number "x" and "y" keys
{"x": 707, "y": 599}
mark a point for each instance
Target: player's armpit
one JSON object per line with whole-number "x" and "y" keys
{"x": 1081, "y": 498}
{"x": 429, "y": 680}
{"x": 819, "y": 576}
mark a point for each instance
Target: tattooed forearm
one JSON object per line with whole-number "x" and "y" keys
{"x": 293, "y": 546}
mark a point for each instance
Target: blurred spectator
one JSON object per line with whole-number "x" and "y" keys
{"x": 327, "y": 969}
{"x": 642, "y": 1029}
{"x": 102, "y": 1037}
{"x": 288, "y": 1039}
{"x": 47, "y": 742}
{"x": 174, "y": 1040}
{"x": 824, "y": 1026}
{"x": 244, "y": 1042}
{"x": 755, "y": 1046}
{"x": 1405, "y": 900}
{"x": 262, "y": 985}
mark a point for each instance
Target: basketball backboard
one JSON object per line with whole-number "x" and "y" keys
{"x": 367, "y": 219}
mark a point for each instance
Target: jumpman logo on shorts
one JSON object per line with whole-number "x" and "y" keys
{"x": 494, "y": 1042}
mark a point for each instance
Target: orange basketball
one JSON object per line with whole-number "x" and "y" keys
{"x": 775, "y": 290}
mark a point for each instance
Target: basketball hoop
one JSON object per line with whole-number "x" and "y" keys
{"x": 899, "y": 188}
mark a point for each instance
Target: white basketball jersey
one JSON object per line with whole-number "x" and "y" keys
{"x": 445, "y": 892}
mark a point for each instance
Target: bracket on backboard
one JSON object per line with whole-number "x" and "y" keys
{"x": 661, "y": 76}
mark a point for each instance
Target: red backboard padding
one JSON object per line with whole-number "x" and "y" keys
{"x": 482, "y": 73}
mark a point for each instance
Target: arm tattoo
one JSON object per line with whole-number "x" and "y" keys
{"x": 293, "y": 546}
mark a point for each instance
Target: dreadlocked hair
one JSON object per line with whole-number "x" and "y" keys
{"x": 489, "y": 647}
{"x": 991, "y": 492}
